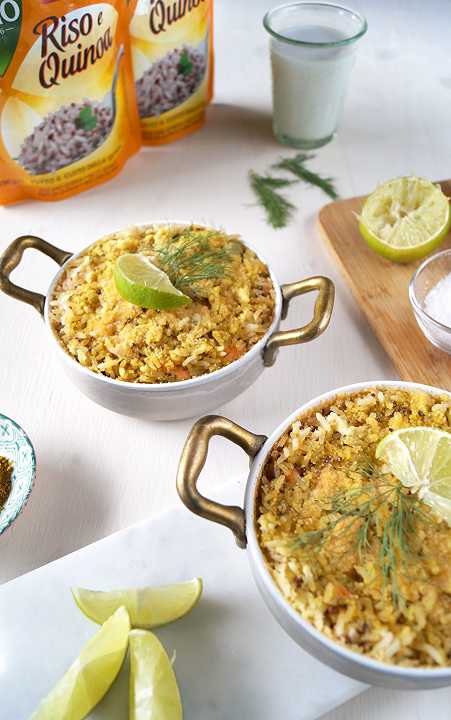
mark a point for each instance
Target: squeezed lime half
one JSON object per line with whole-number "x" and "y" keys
{"x": 405, "y": 219}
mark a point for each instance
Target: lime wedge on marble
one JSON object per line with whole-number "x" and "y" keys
{"x": 91, "y": 675}
{"x": 148, "y": 607}
{"x": 405, "y": 219}
{"x": 154, "y": 694}
{"x": 142, "y": 283}
{"x": 420, "y": 458}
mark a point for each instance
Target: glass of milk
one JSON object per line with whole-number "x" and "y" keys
{"x": 312, "y": 52}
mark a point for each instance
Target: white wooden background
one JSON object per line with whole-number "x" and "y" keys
{"x": 99, "y": 472}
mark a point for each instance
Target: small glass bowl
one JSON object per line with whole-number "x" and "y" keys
{"x": 430, "y": 272}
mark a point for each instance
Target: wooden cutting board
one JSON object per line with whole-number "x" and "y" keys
{"x": 381, "y": 289}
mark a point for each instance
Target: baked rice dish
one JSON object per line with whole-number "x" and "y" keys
{"x": 350, "y": 549}
{"x": 228, "y": 315}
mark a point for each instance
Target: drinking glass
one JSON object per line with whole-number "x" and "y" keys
{"x": 312, "y": 53}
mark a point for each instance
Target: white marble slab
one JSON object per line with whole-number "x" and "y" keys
{"x": 232, "y": 659}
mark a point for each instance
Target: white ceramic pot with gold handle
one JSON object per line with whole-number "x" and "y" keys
{"x": 186, "y": 398}
{"x": 242, "y": 522}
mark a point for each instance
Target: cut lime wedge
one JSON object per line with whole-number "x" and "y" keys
{"x": 91, "y": 675}
{"x": 142, "y": 283}
{"x": 148, "y": 607}
{"x": 405, "y": 219}
{"x": 154, "y": 694}
{"x": 421, "y": 460}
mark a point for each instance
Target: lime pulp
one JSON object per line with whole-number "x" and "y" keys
{"x": 405, "y": 219}
{"x": 420, "y": 458}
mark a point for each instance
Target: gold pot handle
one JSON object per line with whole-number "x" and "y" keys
{"x": 321, "y": 315}
{"x": 11, "y": 258}
{"x": 193, "y": 460}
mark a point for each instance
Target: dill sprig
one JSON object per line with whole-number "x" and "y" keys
{"x": 296, "y": 166}
{"x": 278, "y": 209}
{"x": 190, "y": 257}
{"x": 384, "y": 510}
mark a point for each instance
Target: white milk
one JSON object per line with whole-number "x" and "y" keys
{"x": 309, "y": 85}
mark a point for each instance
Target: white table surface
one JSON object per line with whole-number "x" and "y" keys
{"x": 99, "y": 472}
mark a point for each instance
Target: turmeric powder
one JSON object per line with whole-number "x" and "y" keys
{"x": 6, "y": 471}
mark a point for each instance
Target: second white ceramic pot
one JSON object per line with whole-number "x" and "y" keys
{"x": 243, "y": 525}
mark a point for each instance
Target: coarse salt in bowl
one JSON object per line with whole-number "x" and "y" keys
{"x": 430, "y": 296}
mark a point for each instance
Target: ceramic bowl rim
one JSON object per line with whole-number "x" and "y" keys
{"x": 209, "y": 378}
{"x": 257, "y": 555}
{"x": 24, "y": 500}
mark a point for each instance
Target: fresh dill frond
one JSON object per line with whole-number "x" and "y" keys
{"x": 296, "y": 166}
{"x": 396, "y": 546}
{"x": 380, "y": 519}
{"x": 365, "y": 467}
{"x": 275, "y": 182}
{"x": 191, "y": 257}
{"x": 278, "y": 209}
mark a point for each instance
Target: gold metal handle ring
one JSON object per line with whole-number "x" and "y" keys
{"x": 321, "y": 315}
{"x": 193, "y": 460}
{"x": 11, "y": 258}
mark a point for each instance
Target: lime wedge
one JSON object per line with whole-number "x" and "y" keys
{"x": 154, "y": 694}
{"x": 421, "y": 460}
{"x": 91, "y": 675}
{"x": 148, "y": 607}
{"x": 405, "y": 219}
{"x": 142, "y": 283}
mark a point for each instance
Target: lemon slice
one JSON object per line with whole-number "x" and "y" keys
{"x": 142, "y": 283}
{"x": 421, "y": 460}
{"x": 154, "y": 694}
{"x": 91, "y": 675}
{"x": 148, "y": 607}
{"x": 405, "y": 219}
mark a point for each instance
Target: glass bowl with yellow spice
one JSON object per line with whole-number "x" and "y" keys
{"x": 166, "y": 320}
{"x": 17, "y": 470}
{"x": 347, "y": 523}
